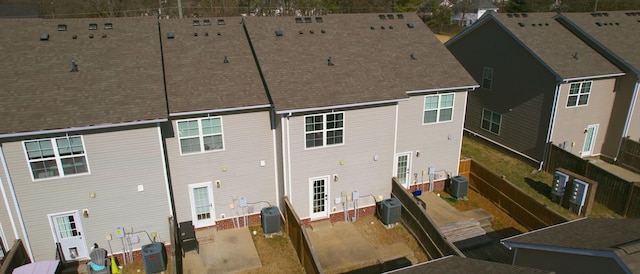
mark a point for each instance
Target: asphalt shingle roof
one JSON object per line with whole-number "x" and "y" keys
{"x": 370, "y": 64}
{"x": 119, "y": 78}
{"x": 618, "y": 31}
{"x": 197, "y": 78}
{"x": 556, "y": 46}
{"x": 458, "y": 265}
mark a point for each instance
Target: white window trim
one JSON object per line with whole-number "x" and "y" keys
{"x": 491, "y": 121}
{"x": 200, "y": 136}
{"x": 490, "y": 79}
{"x": 57, "y": 158}
{"x": 324, "y": 130}
{"x": 438, "y": 108}
{"x": 578, "y": 94}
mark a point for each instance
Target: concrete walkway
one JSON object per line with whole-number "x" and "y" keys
{"x": 224, "y": 251}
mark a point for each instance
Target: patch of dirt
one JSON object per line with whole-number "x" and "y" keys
{"x": 276, "y": 254}
{"x": 379, "y": 236}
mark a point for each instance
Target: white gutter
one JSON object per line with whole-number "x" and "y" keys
{"x": 552, "y": 119}
{"x": 340, "y": 106}
{"x": 62, "y": 130}
{"x": 625, "y": 131}
{"x": 501, "y": 145}
{"x": 17, "y": 206}
{"x": 593, "y": 77}
{"x": 464, "y": 114}
{"x": 503, "y": 241}
{"x": 217, "y": 110}
{"x": 6, "y": 204}
{"x": 164, "y": 171}
{"x": 443, "y": 89}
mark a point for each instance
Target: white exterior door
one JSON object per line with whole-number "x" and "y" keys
{"x": 202, "y": 210}
{"x": 589, "y": 140}
{"x": 402, "y": 168}
{"x": 319, "y": 197}
{"x": 67, "y": 230}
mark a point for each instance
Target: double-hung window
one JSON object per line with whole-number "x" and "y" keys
{"x": 324, "y": 129}
{"x": 487, "y": 77}
{"x": 200, "y": 135}
{"x": 438, "y": 108}
{"x": 56, "y": 157}
{"x": 579, "y": 94}
{"x": 491, "y": 121}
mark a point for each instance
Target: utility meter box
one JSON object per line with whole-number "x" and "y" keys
{"x": 578, "y": 195}
{"x": 558, "y": 186}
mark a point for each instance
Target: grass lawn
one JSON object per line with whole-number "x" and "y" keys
{"x": 523, "y": 175}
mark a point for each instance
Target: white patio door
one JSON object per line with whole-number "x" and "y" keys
{"x": 319, "y": 197}
{"x": 589, "y": 140}
{"x": 67, "y": 230}
{"x": 402, "y": 168}
{"x": 202, "y": 210}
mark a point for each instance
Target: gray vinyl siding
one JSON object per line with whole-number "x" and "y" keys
{"x": 438, "y": 143}
{"x": 522, "y": 91}
{"x": 570, "y": 123}
{"x": 5, "y": 221}
{"x": 367, "y": 132}
{"x": 119, "y": 161}
{"x": 248, "y": 139}
{"x": 561, "y": 262}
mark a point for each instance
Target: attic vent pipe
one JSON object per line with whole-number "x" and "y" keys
{"x": 575, "y": 55}
{"x": 329, "y": 61}
{"x": 226, "y": 60}
{"x": 74, "y": 66}
{"x": 413, "y": 56}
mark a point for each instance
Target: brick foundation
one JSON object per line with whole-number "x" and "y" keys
{"x": 338, "y": 216}
{"x": 437, "y": 185}
{"x": 252, "y": 220}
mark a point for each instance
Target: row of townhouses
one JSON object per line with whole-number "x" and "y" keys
{"x": 125, "y": 123}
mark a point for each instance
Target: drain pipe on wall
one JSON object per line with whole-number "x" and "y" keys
{"x": 551, "y": 122}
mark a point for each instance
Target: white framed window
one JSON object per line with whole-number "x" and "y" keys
{"x": 438, "y": 108}
{"x": 200, "y": 135}
{"x": 579, "y": 94}
{"x": 491, "y": 121}
{"x": 487, "y": 77}
{"x": 324, "y": 129}
{"x": 56, "y": 157}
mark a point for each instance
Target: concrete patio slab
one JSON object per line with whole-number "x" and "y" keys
{"x": 224, "y": 251}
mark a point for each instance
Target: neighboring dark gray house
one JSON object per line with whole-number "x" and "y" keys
{"x": 589, "y": 245}
{"x": 459, "y": 265}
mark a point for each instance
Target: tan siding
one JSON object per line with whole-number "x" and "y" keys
{"x": 247, "y": 141}
{"x": 368, "y": 132}
{"x": 119, "y": 162}
{"x": 5, "y": 220}
{"x": 571, "y": 122}
{"x": 439, "y": 144}
{"x": 521, "y": 91}
{"x": 625, "y": 92}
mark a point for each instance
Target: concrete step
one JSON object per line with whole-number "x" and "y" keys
{"x": 321, "y": 225}
{"x": 484, "y": 217}
{"x": 450, "y": 227}
{"x": 465, "y": 233}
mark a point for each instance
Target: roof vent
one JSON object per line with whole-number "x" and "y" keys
{"x": 74, "y": 66}
{"x": 74, "y": 37}
{"x": 308, "y": 20}
{"x": 516, "y": 15}
{"x": 372, "y": 27}
{"x": 390, "y": 16}
{"x": 93, "y": 26}
{"x": 104, "y": 35}
{"x": 400, "y": 16}
{"x": 381, "y": 16}
{"x": 195, "y": 34}
{"x": 62, "y": 27}
{"x": 90, "y": 35}
{"x": 410, "y": 25}
{"x": 540, "y": 24}
{"x": 44, "y": 37}
{"x": 170, "y": 35}
{"x": 605, "y": 14}
{"x": 525, "y": 15}
{"x": 220, "y": 21}
{"x": 509, "y": 15}
{"x": 546, "y": 24}
{"x": 599, "y": 24}
{"x": 279, "y": 33}
{"x": 300, "y": 32}
{"x": 218, "y": 33}
{"x": 521, "y": 24}
{"x": 575, "y": 55}
{"x": 617, "y": 24}
{"x": 594, "y": 14}
{"x": 298, "y": 20}
{"x": 311, "y": 31}
{"x": 108, "y": 25}
{"x": 322, "y": 31}
{"x": 319, "y": 20}
{"x": 196, "y": 22}
{"x": 413, "y": 57}
{"x": 390, "y": 26}
{"x": 382, "y": 27}
{"x": 226, "y": 60}
{"x": 206, "y": 22}
{"x": 206, "y": 33}
{"x": 329, "y": 61}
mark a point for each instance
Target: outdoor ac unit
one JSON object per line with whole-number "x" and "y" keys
{"x": 270, "y": 219}
{"x": 459, "y": 186}
{"x": 391, "y": 210}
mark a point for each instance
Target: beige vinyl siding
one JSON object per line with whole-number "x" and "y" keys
{"x": 119, "y": 161}
{"x": 438, "y": 143}
{"x": 570, "y": 123}
{"x": 5, "y": 220}
{"x": 521, "y": 91}
{"x": 634, "y": 124}
{"x": 367, "y": 132}
{"x": 248, "y": 140}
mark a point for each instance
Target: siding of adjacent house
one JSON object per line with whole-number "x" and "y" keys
{"x": 565, "y": 262}
{"x": 368, "y": 132}
{"x": 247, "y": 141}
{"x": 634, "y": 123}
{"x": 571, "y": 122}
{"x": 439, "y": 143}
{"x": 8, "y": 235}
{"x": 525, "y": 104}
{"x": 119, "y": 162}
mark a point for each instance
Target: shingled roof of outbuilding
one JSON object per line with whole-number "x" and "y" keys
{"x": 198, "y": 77}
{"x": 370, "y": 59}
{"x": 119, "y": 77}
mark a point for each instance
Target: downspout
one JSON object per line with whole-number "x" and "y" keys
{"x": 464, "y": 114}
{"x": 634, "y": 97}
{"x": 6, "y": 204}
{"x": 274, "y": 139}
{"x": 288, "y": 164}
{"x": 15, "y": 203}
{"x": 554, "y": 111}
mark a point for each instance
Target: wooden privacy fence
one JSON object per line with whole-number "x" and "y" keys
{"x": 297, "y": 232}
{"x": 416, "y": 220}
{"x": 629, "y": 155}
{"x": 613, "y": 192}
{"x": 519, "y": 205}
